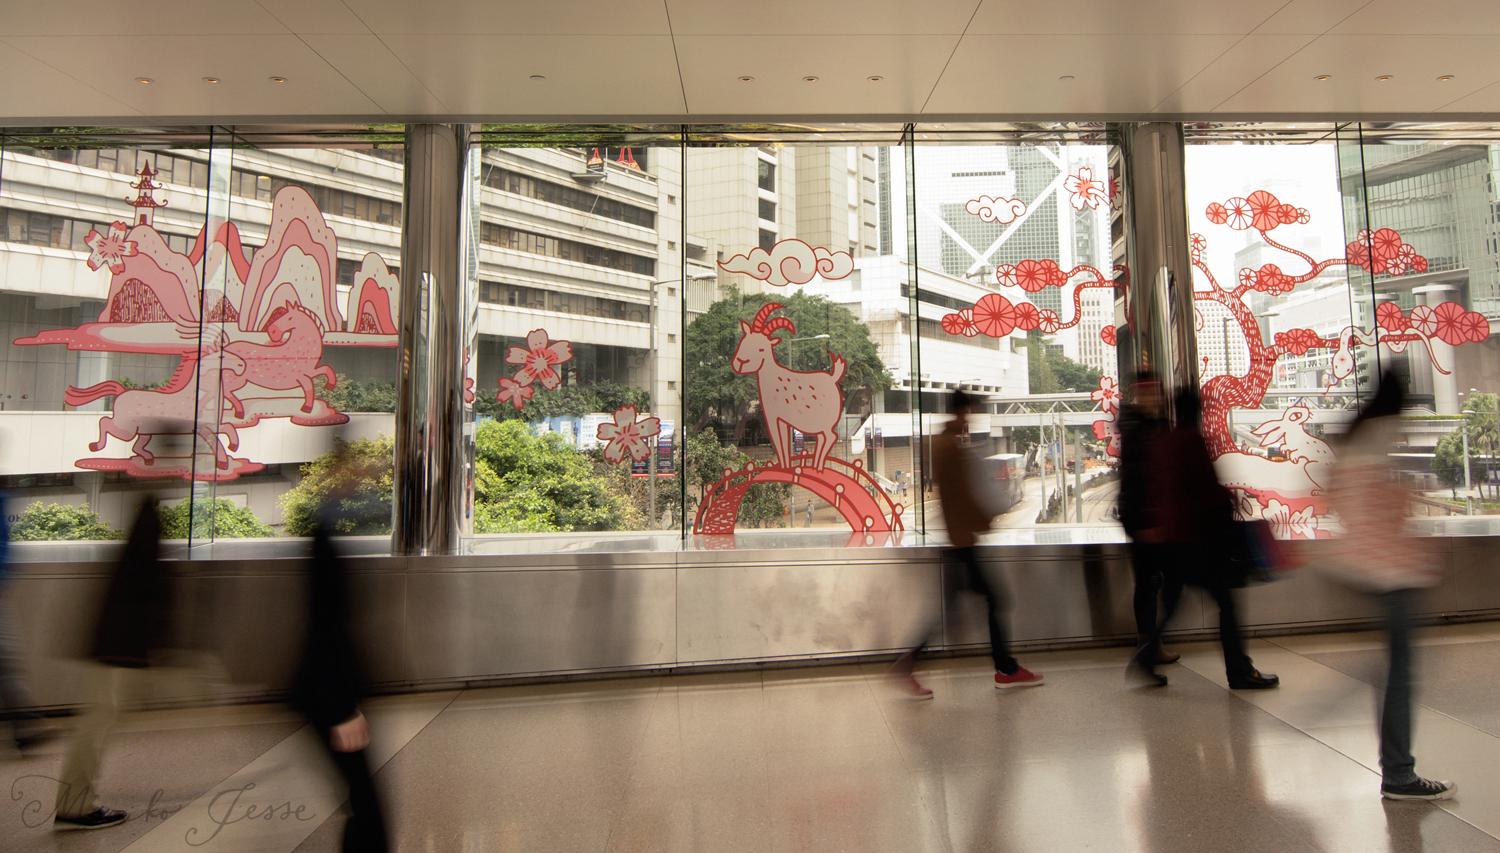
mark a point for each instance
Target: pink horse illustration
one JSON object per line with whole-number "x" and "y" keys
{"x": 193, "y": 393}
{"x": 290, "y": 361}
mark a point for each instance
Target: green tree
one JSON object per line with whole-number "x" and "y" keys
{"x": 351, "y": 395}
{"x": 1480, "y": 422}
{"x": 1051, "y": 372}
{"x": 567, "y": 400}
{"x": 717, "y": 394}
{"x": 43, "y": 522}
{"x": 707, "y": 459}
{"x": 356, "y": 475}
{"x": 217, "y": 519}
{"x": 539, "y": 483}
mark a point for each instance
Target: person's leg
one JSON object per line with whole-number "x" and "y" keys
{"x": 365, "y": 830}
{"x": 1397, "y": 766}
{"x": 1237, "y": 664}
{"x": 75, "y": 788}
{"x": 996, "y": 603}
{"x": 1147, "y": 587}
{"x": 15, "y": 692}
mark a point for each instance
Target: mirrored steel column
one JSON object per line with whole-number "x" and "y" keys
{"x": 1158, "y": 302}
{"x": 429, "y": 497}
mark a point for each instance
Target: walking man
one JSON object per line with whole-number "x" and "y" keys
{"x": 968, "y": 511}
{"x": 1142, "y": 423}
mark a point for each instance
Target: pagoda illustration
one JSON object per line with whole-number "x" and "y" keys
{"x": 145, "y": 205}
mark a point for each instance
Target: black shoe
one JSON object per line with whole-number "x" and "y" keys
{"x": 1419, "y": 789}
{"x": 26, "y": 743}
{"x": 1254, "y": 680}
{"x": 97, "y": 819}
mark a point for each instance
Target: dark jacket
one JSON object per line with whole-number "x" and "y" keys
{"x": 1139, "y": 432}
{"x": 955, "y": 468}
{"x": 327, "y": 686}
{"x": 138, "y": 606}
{"x": 1192, "y": 506}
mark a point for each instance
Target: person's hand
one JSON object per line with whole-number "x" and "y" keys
{"x": 351, "y": 735}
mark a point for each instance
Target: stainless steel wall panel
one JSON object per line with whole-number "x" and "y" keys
{"x": 425, "y": 621}
{"x": 481, "y": 624}
{"x": 795, "y": 609}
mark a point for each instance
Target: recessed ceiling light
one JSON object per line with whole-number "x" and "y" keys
{"x": 1066, "y": 78}
{"x": 210, "y": 79}
{"x": 539, "y": 77}
{"x": 875, "y": 79}
{"x": 747, "y": 79}
{"x": 144, "y": 80}
{"x": 1445, "y": 78}
{"x": 1323, "y": 78}
{"x": 278, "y": 79}
{"x": 809, "y": 79}
{"x": 1384, "y": 78}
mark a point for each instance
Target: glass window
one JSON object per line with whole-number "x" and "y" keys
{"x": 767, "y": 210}
{"x": 1015, "y": 298}
{"x": 74, "y": 376}
{"x": 765, "y": 174}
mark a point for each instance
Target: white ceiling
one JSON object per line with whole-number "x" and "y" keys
{"x": 394, "y": 60}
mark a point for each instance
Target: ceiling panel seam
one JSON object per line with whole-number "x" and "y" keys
{"x": 676, "y": 58}
{"x": 1226, "y": 52}
{"x": 939, "y": 81}
{"x": 1289, "y": 56}
{"x": 86, "y": 84}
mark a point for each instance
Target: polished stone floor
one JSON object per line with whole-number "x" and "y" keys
{"x": 827, "y": 759}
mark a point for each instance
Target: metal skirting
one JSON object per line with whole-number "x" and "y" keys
{"x": 425, "y": 622}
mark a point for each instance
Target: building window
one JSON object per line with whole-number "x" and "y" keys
{"x": 671, "y": 339}
{"x": 671, "y": 199}
{"x": 767, "y": 239}
{"x": 768, "y": 210}
{"x": 671, "y": 245}
{"x": 577, "y": 199}
{"x": 567, "y": 250}
{"x": 766, "y": 175}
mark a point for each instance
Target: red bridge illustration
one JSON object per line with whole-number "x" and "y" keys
{"x": 846, "y": 486}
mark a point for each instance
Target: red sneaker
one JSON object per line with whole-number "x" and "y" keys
{"x": 1022, "y": 677}
{"x": 909, "y": 687}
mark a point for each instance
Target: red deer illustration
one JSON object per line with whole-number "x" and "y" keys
{"x": 790, "y": 399}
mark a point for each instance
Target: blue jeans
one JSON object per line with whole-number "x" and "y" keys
{"x": 1397, "y": 766}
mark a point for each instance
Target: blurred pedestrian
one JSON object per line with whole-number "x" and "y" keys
{"x": 809, "y": 512}
{"x": 328, "y": 686}
{"x": 968, "y": 510}
{"x": 133, "y": 625}
{"x": 1192, "y": 517}
{"x": 1143, "y": 422}
{"x": 1381, "y": 555}
{"x": 16, "y": 699}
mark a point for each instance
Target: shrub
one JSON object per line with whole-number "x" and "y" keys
{"x": 217, "y": 519}
{"x": 43, "y": 522}
{"x": 358, "y": 476}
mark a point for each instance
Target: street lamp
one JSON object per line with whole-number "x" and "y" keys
{"x": 656, "y": 445}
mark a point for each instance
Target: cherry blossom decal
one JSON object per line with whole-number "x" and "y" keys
{"x": 790, "y": 261}
{"x": 1107, "y": 395}
{"x": 627, "y": 435}
{"x": 538, "y": 358}
{"x": 1084, "y": 190}
{"x": 1001, "y": 210}
{"x": 514, "y": 392}
{"x": 109, "y": 250}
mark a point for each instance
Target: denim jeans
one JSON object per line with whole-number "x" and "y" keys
{"x": 1397, "y": 766}
{"x": 997, "y": 604}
